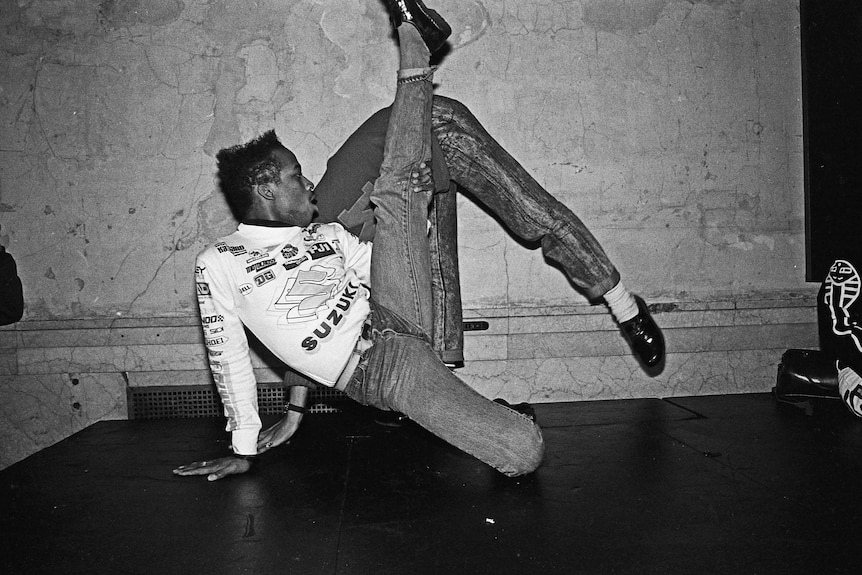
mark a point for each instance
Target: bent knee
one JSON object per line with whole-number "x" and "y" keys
{"x": 449, "y": 106}
{"x": 530, "y": 457}
{"x": 453, "y": 110}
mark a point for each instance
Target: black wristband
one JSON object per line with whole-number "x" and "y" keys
{"x": 296, "y": 408}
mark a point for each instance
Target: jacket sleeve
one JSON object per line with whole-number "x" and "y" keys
{"x": 228, "y": 353}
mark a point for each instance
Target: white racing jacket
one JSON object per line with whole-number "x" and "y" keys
{"x": 303, "y": 292}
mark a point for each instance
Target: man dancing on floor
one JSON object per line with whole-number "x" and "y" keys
{"x": 303, "y": 289}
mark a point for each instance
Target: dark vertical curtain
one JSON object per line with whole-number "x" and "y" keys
{"x": 832, "y": 107}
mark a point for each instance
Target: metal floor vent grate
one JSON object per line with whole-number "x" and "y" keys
{"x": 176, "y": 402}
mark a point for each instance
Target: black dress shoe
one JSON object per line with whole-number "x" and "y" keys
{"x": 644, "y": 337}
{"x": 805, "y": 374}
{"x": 431, "y": 25}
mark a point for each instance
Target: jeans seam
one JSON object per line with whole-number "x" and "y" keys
{"x": 405, "y": 220}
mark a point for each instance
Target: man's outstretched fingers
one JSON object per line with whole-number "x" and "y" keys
{"x": 215, "y": 469}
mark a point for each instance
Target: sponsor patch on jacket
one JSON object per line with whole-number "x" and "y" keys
{"x": 263, "y": 278}
{"x": 233, "y": 250}
{"x": 311, "y": 234}
{"x": 256, "y": 255}
{"x": 289, "y": 251}
{"x": 260, "y": 266}
{"x": 320, "y": 250}
{"x": 294, "y": 263}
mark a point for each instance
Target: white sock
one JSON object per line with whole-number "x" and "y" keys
{"x": 622, "y": 303}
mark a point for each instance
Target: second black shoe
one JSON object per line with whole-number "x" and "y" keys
{"x": 805, "y": 374}
{"x": 644, "y": 337}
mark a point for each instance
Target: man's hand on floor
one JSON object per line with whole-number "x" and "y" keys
{"x": 215, "y": 469}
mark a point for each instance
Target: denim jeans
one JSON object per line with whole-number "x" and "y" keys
{"x": 401, "y": 371}
{"x": 488, "y": 173}
{"x": 479, "y": 167}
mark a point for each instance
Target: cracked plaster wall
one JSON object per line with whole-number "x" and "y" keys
{"x": 672, "y": 127}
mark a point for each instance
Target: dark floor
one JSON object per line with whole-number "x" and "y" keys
{"x": 724, "y": 484}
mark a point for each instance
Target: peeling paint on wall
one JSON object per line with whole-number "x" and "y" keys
{"x": 622, "y": 15}
{"x": 673, "y": 128}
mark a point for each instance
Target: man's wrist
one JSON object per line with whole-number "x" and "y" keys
{"x": 301, "y": 409}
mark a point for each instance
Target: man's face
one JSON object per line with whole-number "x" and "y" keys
{"x": 294, "y": 195}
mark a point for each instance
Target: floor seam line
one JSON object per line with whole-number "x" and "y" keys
{"x": 343, "y": 506}
{"x": 671, "y": 401}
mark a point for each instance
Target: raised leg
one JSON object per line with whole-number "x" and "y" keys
{"x": 495, "y": 179}
{"x": 401, "y": 265}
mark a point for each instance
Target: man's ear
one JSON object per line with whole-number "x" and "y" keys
{"x": 265, "y": 191}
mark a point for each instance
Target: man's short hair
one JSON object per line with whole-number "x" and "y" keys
{"x": 244, "y": 166}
